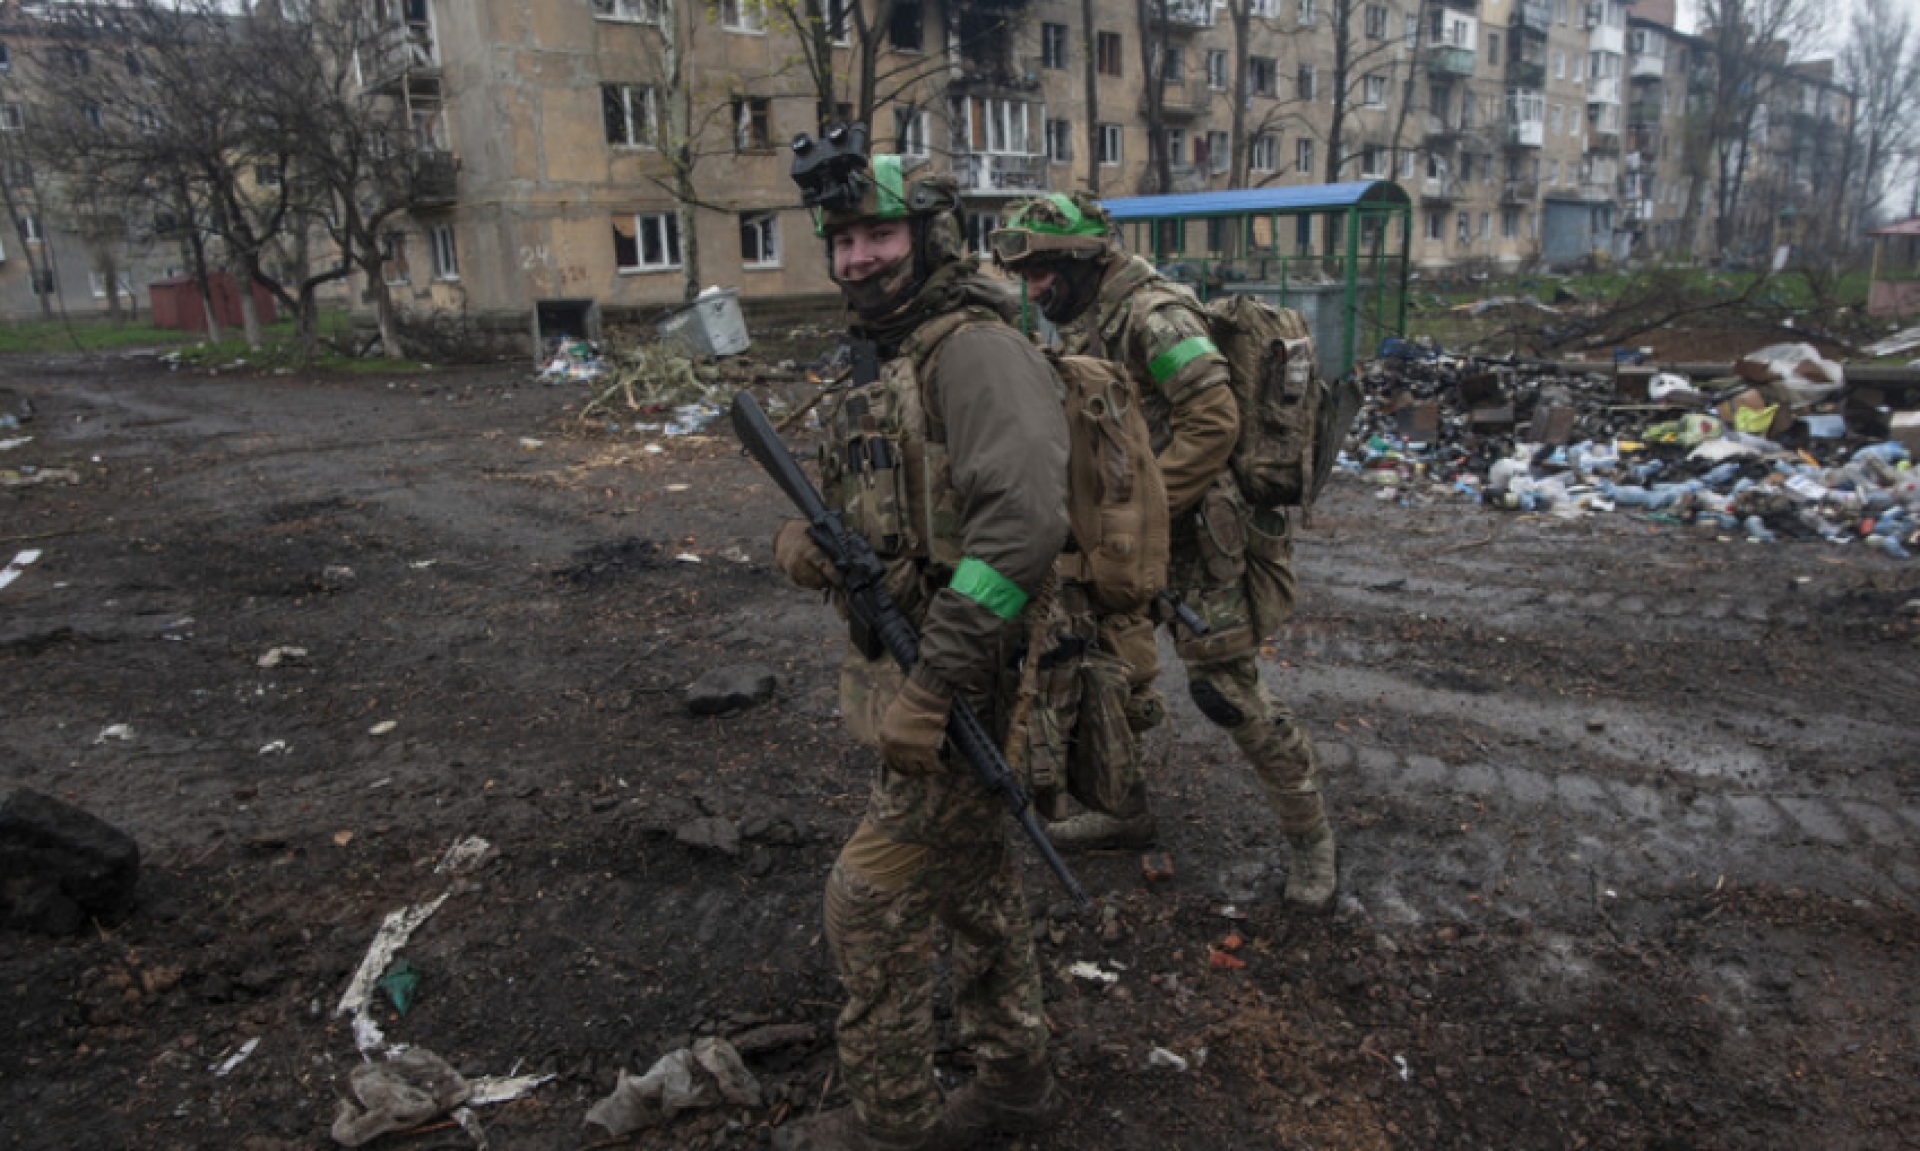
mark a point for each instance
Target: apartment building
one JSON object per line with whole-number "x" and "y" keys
{"x": 593, "y": 160}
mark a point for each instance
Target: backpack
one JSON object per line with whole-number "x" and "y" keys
{"x": 1116, "y": 497}
{"x": 1292, "y": 421}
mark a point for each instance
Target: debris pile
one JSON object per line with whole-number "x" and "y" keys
{"x": 1773, "y": 451}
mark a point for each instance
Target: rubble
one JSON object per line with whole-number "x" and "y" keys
{"x": 1770, "y": 453}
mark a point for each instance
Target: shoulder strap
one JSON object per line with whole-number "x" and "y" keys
{"x": 927, "y": 338}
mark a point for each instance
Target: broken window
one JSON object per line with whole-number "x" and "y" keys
{"x": 647, "y": 242}
{"x": 752, "y": 123}
{"x": 1107, "y": 45}
{"x": 907, "y": 29}
{"x": 759, "y": 239}
{"x": 1261, "y": 75}
{"x": 628, "y": 109}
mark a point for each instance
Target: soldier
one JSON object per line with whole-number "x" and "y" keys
{"x": 953, "y": 465}
{"x": 1114, "y": 305}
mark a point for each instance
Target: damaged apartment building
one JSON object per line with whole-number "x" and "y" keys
{"x": 603, "y": 159}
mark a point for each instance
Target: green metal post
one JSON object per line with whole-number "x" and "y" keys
{"x": 1353, "y": 245}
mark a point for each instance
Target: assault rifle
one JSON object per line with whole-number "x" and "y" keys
{"x": 880, "y": 627}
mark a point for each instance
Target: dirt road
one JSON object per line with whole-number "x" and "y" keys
{"x": 1631, "y": 816}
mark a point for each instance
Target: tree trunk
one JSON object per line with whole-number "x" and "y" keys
{"x": 1093, "y": 96}
{"x": 1241, "y": 11}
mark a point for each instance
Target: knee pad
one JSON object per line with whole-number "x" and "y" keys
{"x": 1214, "y": 704}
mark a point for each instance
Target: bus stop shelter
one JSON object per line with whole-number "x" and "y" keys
{"x": 1893, "y": 287}
{"x": 1339, "y": 253}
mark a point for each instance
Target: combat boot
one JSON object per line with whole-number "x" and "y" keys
{"x": 1313, "y": 879}
{"x": 842, "y": 1130}
{"x": 1091, "y": 829}
{"x": 1013, "y": 1099}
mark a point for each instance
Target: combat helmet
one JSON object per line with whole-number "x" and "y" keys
{"x": 845, "y": 186}
{"x": 1055, "y": 227}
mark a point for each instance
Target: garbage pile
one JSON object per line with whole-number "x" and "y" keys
{"x": 1771, "y": 452}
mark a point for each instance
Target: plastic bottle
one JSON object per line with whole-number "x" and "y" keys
{"x": 1888, "y": 545}
{"x": 1720, "y": 473}
{"x": 1757, "y": 530}
{"x": 1887, "y": 451}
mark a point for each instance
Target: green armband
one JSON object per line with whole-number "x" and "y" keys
{"x": 988, "y": 588}
{"x": 1163, "y": 366}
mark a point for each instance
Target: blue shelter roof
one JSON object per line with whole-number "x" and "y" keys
{"x": 1243, "y": 201}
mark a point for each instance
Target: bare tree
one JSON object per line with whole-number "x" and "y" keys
{"x": 1747, "y": 41}
{"x": 1091, "y": 59}
{"x": 1881, "y": 62}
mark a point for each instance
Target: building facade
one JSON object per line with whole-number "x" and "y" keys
{"x": 599, "y": 159}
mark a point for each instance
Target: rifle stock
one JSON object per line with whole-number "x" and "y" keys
{"x": 880, "y": 626}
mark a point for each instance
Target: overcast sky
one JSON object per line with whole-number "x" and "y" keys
{"x": 1835, "y": 32}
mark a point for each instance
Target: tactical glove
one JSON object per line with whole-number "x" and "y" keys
{"x": 912, "y": 730}
{"x": 803, "y": 561}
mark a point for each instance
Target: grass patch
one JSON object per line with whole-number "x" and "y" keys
{"x": 87, "y": 335}
{"x": 279, "y": 344}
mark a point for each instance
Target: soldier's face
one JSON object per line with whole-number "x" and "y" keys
{"x": 861, "y": 251}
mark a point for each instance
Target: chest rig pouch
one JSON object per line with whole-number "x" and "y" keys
{"x": 884, "y": 465}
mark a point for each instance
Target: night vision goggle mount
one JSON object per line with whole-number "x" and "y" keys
{"x": 832, "y": 171}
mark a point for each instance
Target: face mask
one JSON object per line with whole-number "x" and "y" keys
{"x": 881, "y": 292}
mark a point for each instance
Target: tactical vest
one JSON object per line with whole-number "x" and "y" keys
{"x": 884, "y": 465}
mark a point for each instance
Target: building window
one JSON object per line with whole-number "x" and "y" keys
{"x": 1559, "y": 64}
{"x": 837, "y": 21}
{"x": 760, "y": 239}
{"x": 1306, "y": 11}
{"x": 30, "y": 229}
{"x": 1303, "y": 156}
{"x": 1553, "y": 118}
{"x": 266, "y": 175}
{"x": 91, "y": 114}
{"x": 752, "y": 123}
{"x": 1509, "y": 223}
{"x": 1217, "y": 69}
{"x": 1266, "y": 8}
{"x": 1373, "y": 162}
{"x": 1109, "y": 145}
{"x": 11, "y": 118}
{"x": 1173, "y": 69}
{"x": 1176, "y": 147}
{"x": 740, "y": 15}
{"x": 147, "y": 117}
{"x": 1493, "y": 49}
{"x": 1261, "y": 75}
{"x": 1304, "y": 83}
{"x": 1436, "y": 225}
{"x": 1463, "y": 228}
{"x": 628, "y": 111}
{"x": 1486, "y": 225}
{"x": 1376, "y": 22}
{"x": 446, "y": 260}
{"x": 1263, "y": 155}
{"x": 1219, "y": 153}
{"x": 908, "y": 28}
{"x": 980, "y": 226}
{"x": 1107, "y": 46}
{"x": 992, "y": 125}
{"x": 910, "y": 132}
{"x": 1374, "y": 90}
{"x": 6, "y": 58}
{"x": 628, "y": 11}
{"x": 97, "y": 283}
{"x": 1060, "y": 141}
{"x": 393, "y": 259}
{"x": 648, "y": 242}
{"x": 1053, "y": 45}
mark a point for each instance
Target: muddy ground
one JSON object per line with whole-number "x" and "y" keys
{"x": 1630, "y": 815}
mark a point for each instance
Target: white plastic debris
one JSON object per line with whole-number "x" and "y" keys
{"x": 1406, "y": 1072}
{"x": 116, "y": 732}
{"x": 463, "y": 856}
{"x": 1092, "y": 973}
{"x": 277, "y": 747}
{"x": 383, "y": 727}
{"x": 394, "y": 932}
{"x": 1161, "y": 1057}
{"x": 19, "y": 565}
{"x": 225, "y": 1067}
{"x": 279, "y": 655}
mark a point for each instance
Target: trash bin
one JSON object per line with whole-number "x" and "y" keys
{"x": 710, "y": 326}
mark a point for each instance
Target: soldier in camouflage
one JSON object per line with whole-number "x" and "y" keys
{"x": 1232, "y": 564}
{"x": 953, "y": 466}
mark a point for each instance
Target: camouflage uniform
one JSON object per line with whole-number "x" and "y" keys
{"x": 1156, "y": 329}
{"x": 953, "y": 466}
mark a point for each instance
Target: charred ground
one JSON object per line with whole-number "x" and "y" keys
{"x": 1629, "y": 814}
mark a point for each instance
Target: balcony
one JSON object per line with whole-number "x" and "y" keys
{"x": 1189, "y": 15}
{"x": 1449, "y": 60}
{"x": 1647, "y": 67}
{"x": 1644, "y": 112}
{"x": 1526, "y": 133}
{"x": 1183, "y": 99}
{"x": 1442, "y": 130}
{"x": 1440, "y": 191}
{"x": 1603, "y": 90}
{"x": 1532, "y": 15}
{"x": 1607, "y": 38}
{"x": 435, "y": 180}
{"x": 397, "y": 52}
{"x": 1596, "y": 193}
{"x": 1519, "y": 191}
{"x": 1638, "y": 214}
{"x": 1000, "y": 175}
{"x": 1526, "y": 73}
